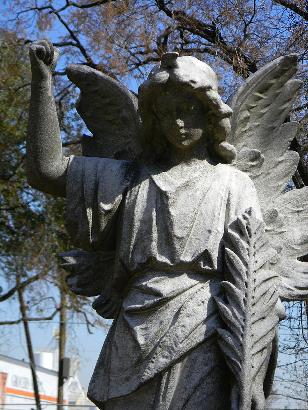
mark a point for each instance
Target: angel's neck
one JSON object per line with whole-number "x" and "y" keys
{"x": 188, "y": 155}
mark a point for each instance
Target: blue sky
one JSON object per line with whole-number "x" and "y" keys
{"x": 88, "y": 345}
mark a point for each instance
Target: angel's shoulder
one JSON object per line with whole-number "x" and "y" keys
{"x": 233, "y": 174}
{"x": 96, "y": 168}
{"x": 99, "y": 162}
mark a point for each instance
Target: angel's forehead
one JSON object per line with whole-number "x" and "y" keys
{"x": 184, "y": 70}
{"x": 170, "y": 95}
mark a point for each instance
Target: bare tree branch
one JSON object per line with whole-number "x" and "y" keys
{"x": 300, "y": 108}
{"x": 22, "y": 87}
{"x": 162, "y": 39}
{"x": 233, "y": 55}
{"x": 67, "y": 5}
{"x": 290, "y": 397}
{"x": 88, "y": 322}
{"x": 76, "y": 41}
{"x": 22, "y": 285}
{"x": 30, "y": 319}
{"x": 294, "y": 7}
{"x": 78, "y": 44}
{"x": 87, "y": 5}
{"x": 248, "y": 23}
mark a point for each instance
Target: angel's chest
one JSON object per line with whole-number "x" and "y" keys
{"x": 155, "y": 210}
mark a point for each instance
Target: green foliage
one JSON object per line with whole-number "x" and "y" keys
{"x": 21, "y": 212}
{"x": 32, "y": 230}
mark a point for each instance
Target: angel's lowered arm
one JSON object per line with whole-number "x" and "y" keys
{"x": 46, "y": 165}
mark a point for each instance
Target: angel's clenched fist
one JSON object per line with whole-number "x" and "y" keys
{"x": 43, "y": 56}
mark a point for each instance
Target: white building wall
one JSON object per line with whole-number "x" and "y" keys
{"x": 18, "y": 389}
{"x": 45, "y": 359}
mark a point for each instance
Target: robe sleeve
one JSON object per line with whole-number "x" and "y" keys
{"x": 242, "y": 196}
{"x": 95, "y": 189}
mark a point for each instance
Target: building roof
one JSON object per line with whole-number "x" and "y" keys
{"x": 26, "y": 364}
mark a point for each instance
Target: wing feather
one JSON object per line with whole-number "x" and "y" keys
{"x": 263, "y": 103}
{"x": 262, "y": 140}
{"x": 287, "y": 224}
{"x": 110, "y": 112}
{"x": 258, "y": 131}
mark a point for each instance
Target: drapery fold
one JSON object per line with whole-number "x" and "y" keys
{"x": 166, "y": 231}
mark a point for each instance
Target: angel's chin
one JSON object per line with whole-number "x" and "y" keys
{"x": 185, "y": 143}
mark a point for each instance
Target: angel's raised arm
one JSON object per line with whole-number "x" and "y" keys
{"x": 46, "y": 165}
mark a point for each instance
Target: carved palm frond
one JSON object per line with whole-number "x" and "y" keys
{"x": 248, "y": 308}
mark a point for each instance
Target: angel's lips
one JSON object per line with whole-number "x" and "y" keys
{"x": 184, "y": 132}
{"x": 186, "y": 135}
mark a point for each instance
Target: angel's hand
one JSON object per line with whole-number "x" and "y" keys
{"x": 43, "y": 57}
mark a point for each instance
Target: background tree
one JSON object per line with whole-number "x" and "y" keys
{"x": 31, "y": 225}
{"x": 125, "y": 38}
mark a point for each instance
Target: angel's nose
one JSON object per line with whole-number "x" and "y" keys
{"x": 225, "y": 110}
{"x": 179, "y": 122}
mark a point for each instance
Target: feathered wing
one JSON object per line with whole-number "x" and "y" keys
{"x": 110, "y": 111}
{"x": 262, "y": 139}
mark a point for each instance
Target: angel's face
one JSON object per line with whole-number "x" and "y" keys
{"x": 181, "y": 117}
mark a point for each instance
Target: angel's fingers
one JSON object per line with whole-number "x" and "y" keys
{"x": 56, "y": 54}
{"x": 108, "y": 309}
{"x": 37, "y": 51}
{"x": 48, "y": 54}
{"x": 49, "y": 51}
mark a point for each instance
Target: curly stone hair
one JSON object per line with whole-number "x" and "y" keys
{"x": 196, "y": 76}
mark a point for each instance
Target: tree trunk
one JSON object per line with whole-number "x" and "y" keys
{"x": 23, "y": 311}
{"x": 62, "y": 342}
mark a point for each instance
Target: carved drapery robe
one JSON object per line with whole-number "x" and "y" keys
{"x": 166, "y": 229}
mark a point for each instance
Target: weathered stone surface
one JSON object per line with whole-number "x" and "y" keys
{"x": 171, "y": 231}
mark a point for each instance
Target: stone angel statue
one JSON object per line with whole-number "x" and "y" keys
{"x": 185, "y": 233}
